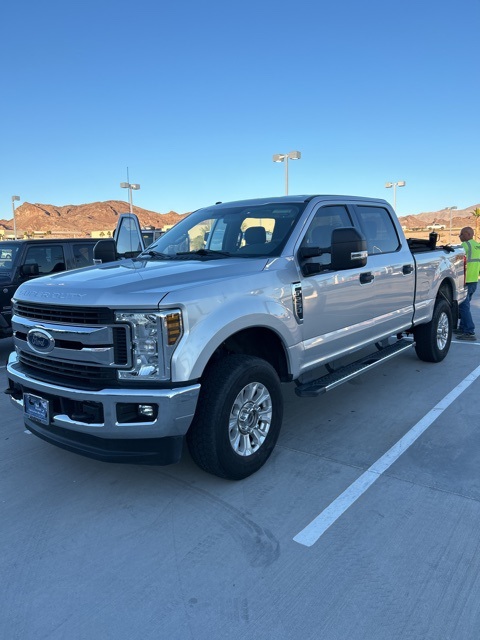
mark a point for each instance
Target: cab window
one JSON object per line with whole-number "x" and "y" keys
{"x": 83, "y": 254}
{"x": 50, "y": 258}
{"x": 319, "y": 233}
{"x": 379, "y": 229}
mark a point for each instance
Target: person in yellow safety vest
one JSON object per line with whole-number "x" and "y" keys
{"x": 466, "y": 328}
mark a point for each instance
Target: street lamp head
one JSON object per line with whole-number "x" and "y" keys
{"x": 388, "y": 185}
{"x": 124, "y": 185}
{"x": 135, "y": 186}
{"x": 280, "y": 157}
{"x": 401, "y": 183}
{"x": 15, "y": 198}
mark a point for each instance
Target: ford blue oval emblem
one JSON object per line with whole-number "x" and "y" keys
{"x": 40, "y": 340}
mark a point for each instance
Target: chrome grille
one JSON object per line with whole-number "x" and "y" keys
{"x": 89, "y": 346}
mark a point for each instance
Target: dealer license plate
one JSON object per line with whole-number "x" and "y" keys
{"x": 36, "y": 407}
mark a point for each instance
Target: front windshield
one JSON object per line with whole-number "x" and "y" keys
{"x": 8, "y": 252}
{"x": 243, "y": 231}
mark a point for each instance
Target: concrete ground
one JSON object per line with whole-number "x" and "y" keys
{"x": 93, "y": 550}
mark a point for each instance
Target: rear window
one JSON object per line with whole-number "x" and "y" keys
{"x": 379, "y": 229}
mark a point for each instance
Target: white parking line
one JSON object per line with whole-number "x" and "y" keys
{"x": 312, "y": 532}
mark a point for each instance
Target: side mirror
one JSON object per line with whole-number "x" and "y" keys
{"x": 105, "y": 251}
{"x": 349, "y": 249}
{"x": 29, "y": 270}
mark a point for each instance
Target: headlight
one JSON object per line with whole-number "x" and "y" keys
{"x": 154, "y": 338}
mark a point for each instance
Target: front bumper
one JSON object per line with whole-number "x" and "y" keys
{"x": 156, "y": 442}
{"x": 159, "y": 451}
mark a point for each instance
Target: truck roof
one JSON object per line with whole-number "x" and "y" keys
{"x": 297, "y": 198}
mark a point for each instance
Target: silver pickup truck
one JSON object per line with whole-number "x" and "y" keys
{"x": 191, "y": 339}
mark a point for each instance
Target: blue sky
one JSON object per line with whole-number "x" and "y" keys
{"x": 196, "y": 97}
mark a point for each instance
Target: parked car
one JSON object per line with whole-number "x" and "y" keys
{"x": 23, "y": 260}
{"x": 435, "y": 226}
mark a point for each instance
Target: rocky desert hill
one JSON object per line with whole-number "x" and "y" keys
{"x": 460, "y": 218}
{"x": 81, "y": 219}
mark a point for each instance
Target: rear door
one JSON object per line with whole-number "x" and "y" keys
{"x": 392, "y": 269}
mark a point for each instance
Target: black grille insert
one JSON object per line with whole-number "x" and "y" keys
{"x": 82, "y": 376}
{"x": 120, "y": 345}
{"x": 64, "y": 314}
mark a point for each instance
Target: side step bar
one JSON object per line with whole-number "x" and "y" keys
{"x": 336, "y": 378}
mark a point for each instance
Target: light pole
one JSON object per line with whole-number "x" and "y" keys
{"x": 284, "y": 157}
{"x": 130, "y": 187}
{"x": 14, "y": 219}
{"x": 450, "y": 209}
{"x": 388, "y": 185}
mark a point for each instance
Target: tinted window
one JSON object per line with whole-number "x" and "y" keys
{"x": 8, "y": 253}
{"x": 83, "y": 254}
{"x": 50, "y": 258}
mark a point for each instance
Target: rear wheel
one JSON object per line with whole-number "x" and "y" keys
{"x": 432, "y": 340}
{"x": 238, "y": 417}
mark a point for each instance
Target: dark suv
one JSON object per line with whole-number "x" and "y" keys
{"x": 21, "y": 260}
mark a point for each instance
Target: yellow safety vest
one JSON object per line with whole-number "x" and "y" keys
{"x": 472, "y": 251}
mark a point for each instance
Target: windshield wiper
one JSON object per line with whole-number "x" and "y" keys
{"x": 154, "y": 254}
{"x": 204, "y": 253}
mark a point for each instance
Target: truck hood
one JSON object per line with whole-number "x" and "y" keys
{"x": 133, "y": 283}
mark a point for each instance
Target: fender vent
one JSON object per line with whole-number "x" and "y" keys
{"x": 297, "y": 301}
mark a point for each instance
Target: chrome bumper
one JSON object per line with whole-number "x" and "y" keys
{"x": 176, "y": 407}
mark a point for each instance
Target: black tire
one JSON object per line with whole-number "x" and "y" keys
{"x": 238, "y": 417}
{"x": 432, "y": 340}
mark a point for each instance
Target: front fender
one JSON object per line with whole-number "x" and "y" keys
{"x": 206, "y": 332}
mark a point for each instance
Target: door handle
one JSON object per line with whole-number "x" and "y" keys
{"x": 407, "y": 268}
{"x": 367, "y": 277}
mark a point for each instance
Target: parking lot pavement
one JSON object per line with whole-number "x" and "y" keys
{"x": 92, "y": 550}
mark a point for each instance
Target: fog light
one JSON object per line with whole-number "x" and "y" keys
{"x": 130, "y": 413}
{"x": 146, "y": 410}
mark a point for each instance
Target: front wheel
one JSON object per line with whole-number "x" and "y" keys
{"x": 432, "y": 340}
{"x": 238, "y": 417}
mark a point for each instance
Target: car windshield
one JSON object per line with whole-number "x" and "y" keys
{"x": 221, "y": 231}
{"x": 8, "y": 253}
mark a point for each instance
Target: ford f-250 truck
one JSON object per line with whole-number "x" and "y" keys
{"x": 192, "y": 339}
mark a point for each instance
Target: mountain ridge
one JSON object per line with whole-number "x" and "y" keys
{"x": 441, "y": 216}
{"x": 103, "y": 216}
{"x": 83, "y": 218}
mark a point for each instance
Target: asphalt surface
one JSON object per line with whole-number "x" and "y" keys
{"x": 94, "y": 550}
